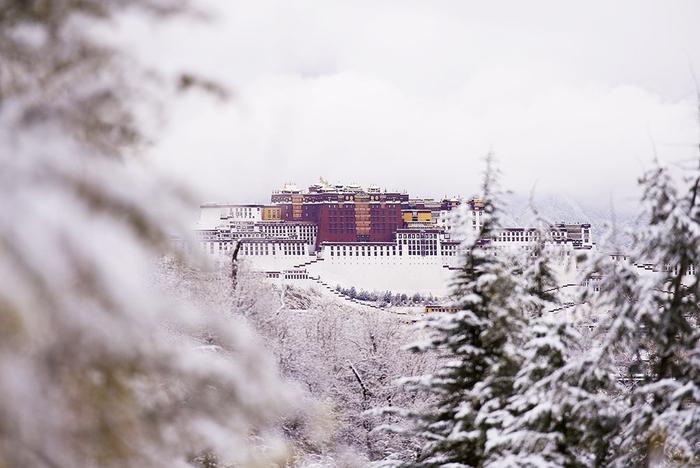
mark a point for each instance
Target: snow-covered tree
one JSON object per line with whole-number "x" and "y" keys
{"x": 478, "y": 351}
{"x": 558, "y": 405}
{"x": 652, "y": 336}
{"x": 98, "y": 365}
{"x": 342, "y": 356}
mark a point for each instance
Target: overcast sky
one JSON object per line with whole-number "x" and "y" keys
{"x": 411, "y": 95}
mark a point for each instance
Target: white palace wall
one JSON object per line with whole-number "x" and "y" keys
{"x": 397, "y": 272}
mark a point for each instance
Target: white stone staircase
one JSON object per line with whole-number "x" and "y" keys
{"x": 310, "y": 262}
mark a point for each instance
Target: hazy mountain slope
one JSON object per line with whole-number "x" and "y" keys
{"x": 562, "y": 208}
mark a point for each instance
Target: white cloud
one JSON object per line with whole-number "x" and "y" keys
{"x": 410, "y": 95}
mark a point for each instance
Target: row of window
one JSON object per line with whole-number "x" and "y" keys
{"x": 422, "y": 246}
{"x": 425, "y": 252}
{"x": 424, "y": 235}
{"x": 362, "y": 251}
{"x": 528, "y": 236}
{"x": 296, "y": 275}
{"x": 288, "y": 275}
{"x": 241, "y": 212}
{"x": 448, "y": 250}
{"x": 264, "y": 248}
{"x": 380, "y": 251}
{"x": 689, "y": 271}
{"x": 305, "y": 231}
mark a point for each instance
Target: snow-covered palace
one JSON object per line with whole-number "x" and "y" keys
{"x": 368, "y": 238}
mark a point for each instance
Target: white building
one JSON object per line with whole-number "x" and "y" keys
{"x": 214, "y": 214}
{"x": 422, "y": 257}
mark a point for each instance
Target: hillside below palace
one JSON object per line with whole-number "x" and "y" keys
{"x": 367, "y": 238}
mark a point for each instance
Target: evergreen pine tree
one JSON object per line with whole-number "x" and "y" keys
{"x": 558, "y": 404}
{"x": 653, "y": 335}
{"x": 478, "y": 350}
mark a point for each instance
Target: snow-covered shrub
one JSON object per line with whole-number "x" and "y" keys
{"x": 98, "y": 365}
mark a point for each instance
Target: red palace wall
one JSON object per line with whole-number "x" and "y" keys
{"x": 337, "y": 223}
{"x": 336, "y": 215}
{"x": 385, "y": 220}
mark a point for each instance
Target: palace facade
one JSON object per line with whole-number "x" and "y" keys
{"x": 364, "y": 237}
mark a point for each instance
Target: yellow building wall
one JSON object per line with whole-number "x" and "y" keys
{"x": 362, "y": 216}
{"x": 425, "y": 216}
{"x": 417, "y": 216}
{"x": 297, "y": 201}
{"x": 271, "y": 214}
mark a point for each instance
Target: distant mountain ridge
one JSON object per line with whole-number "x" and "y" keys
{"x": 563, "y": 208}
